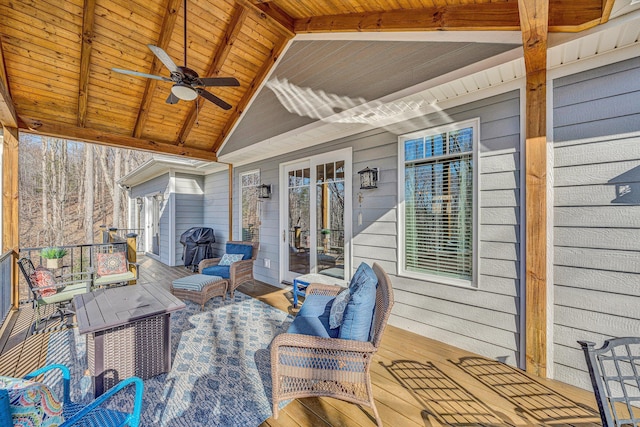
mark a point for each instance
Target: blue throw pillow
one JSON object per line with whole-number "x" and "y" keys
{"x": 337, "y": 308}
{"x": 358, "y": 315}
{"x": 236, "y": 248}
{"x": 228, "y": 259}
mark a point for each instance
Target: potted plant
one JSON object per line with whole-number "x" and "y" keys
{"x": 54, "y": 256}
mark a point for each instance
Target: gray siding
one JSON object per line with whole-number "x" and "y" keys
{"x": 159, "y": 184}
{"x": 189, "y": 212}
{"x": 485, "y": 319}
{"x": 596, "y": 212}
{"x": 216, "y": 207}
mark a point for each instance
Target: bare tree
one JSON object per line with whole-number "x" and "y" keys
{"x": 89, "y": 202}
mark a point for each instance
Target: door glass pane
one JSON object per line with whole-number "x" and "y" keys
{"x": 299, "y": 220}
{"x": 330, "y": 221}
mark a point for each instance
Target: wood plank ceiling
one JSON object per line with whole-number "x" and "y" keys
{"x": 56, "y": 57}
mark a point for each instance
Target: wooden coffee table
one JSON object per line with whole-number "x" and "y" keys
{"x": 128, "y": 332}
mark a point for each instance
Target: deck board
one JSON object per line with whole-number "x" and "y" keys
{"x": 440, "y": 392}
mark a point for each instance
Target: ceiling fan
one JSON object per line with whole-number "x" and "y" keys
{"x": 187, "y": 85}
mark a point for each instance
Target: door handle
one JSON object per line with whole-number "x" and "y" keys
{"x": 284, "y": 235}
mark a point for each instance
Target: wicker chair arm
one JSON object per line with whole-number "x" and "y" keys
{"x": 321, "y": 343}
{"x": 321, "y": 289}
{"x": 208, "y": 263}
{"x": 241, "y": 267}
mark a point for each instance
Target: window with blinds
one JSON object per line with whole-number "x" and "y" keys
{"x": 438, "y": 203}
{"x": 250, "y": 206}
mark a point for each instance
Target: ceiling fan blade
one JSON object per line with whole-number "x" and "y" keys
{"x": 211, "y": 97}
{"x": 164, "y": 58}
{"x": 139, "y": 74}
{"x": 219, "y": 81}
{"x": 172, "y": 99}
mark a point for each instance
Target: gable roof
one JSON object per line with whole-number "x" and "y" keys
{"x": 55, "y": 63}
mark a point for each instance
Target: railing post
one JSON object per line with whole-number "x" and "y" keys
{"x": 112, "y": 235}
{"x": 132, "y": 252}
{"x": 104, "y": 233}
{"x": 15, "y": 289}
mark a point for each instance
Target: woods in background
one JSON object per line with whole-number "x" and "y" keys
{"x": 68, "y": 189}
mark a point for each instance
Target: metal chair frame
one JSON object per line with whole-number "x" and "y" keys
{"x": 616, "y": 363}
{"x": 68, "y": 287}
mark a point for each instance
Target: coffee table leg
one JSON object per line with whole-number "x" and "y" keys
{"x": 98, "y": 374}
{"x": 167, "y": 343}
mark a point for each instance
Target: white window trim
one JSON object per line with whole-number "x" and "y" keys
{"x": 240, "y": 175}
{"x": 475, "y": 124}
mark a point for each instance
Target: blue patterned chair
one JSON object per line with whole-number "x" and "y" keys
{"x": 236, "y": 271}
{"x": 25, "y": 402}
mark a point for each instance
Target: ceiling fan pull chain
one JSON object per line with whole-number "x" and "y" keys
{"x": 197, "y": 114}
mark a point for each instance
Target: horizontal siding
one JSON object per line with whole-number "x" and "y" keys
{"x": 596, "y": 212}
{"x": 189, "y": 212}
{"x": 485, "y": 319}
{"x": 216, "y": 207}
{"x": 159, "y": 184}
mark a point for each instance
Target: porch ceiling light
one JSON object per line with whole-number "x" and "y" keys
{"x": 184, "y": 92}
{"x": 368, "y": 178}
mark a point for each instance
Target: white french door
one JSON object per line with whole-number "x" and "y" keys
{"x": 316, "y": 216}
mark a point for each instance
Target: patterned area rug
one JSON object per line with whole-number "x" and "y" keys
{"x": 221, "y": 365}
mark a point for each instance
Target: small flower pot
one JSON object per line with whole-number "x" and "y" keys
{"x": 54, "y": 262}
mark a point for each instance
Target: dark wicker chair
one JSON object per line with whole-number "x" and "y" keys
{"x": 65, "y": 290}
{"x": 615, "y": 376}
{"x": 239, "y": 272}
{"x": 309, "y": 366}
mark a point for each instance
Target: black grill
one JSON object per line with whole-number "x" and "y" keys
{"x": 198, "y": 245}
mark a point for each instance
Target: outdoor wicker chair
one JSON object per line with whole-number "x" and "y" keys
{"x": 46, "y": 289}
{"x": 24, "y": 401}
{"x": 111, "y": 266}
{"x": 238, "y": 272}
{"x": 312, "y": 366}
{"x": 615, "y": 376}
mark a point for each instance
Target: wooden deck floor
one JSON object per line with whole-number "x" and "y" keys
{"x": 416, "y": 381}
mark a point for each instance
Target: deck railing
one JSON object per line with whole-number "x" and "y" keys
{"x": 121, "y": 235}
{"x": 6, "y": 261}
{"x": 79, "y": 259}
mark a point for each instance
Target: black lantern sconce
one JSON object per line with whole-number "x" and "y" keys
{"x": 368, "y": 178}
{"x": 264, "y": 191}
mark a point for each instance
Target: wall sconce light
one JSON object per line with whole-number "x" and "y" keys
{"x": 139, "y": 201}
{"x": 264, "y": 191}
{"x": 368, "y": 178}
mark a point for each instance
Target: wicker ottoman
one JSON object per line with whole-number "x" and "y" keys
{"x": 199, "y": 288}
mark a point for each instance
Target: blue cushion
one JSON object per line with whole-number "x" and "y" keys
{"x": 313, "y": 318}
{"x": 358, "y": 315}
{"x": 235, "y": 248}
{"x": 217, "y": 270}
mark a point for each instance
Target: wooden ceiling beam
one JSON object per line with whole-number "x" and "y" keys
{"x": 168, "y": 25}
{"x": 60, "y": 130}
{"x": 251, "y": 90}
{"x": 8, "y": 116}
{"x": 279, "y": 21}
{"x": 486, "y": 16}
{"x": 88, "y": 15}
{"x": 230, "y": 36}
{"x": 534, "y": 15}
{"x": 276, "y": 13}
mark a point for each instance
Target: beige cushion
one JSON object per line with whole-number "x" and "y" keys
{"x": 114, "y": 278}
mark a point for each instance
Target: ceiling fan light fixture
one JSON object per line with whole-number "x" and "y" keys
{"x": 184, "y": 92}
